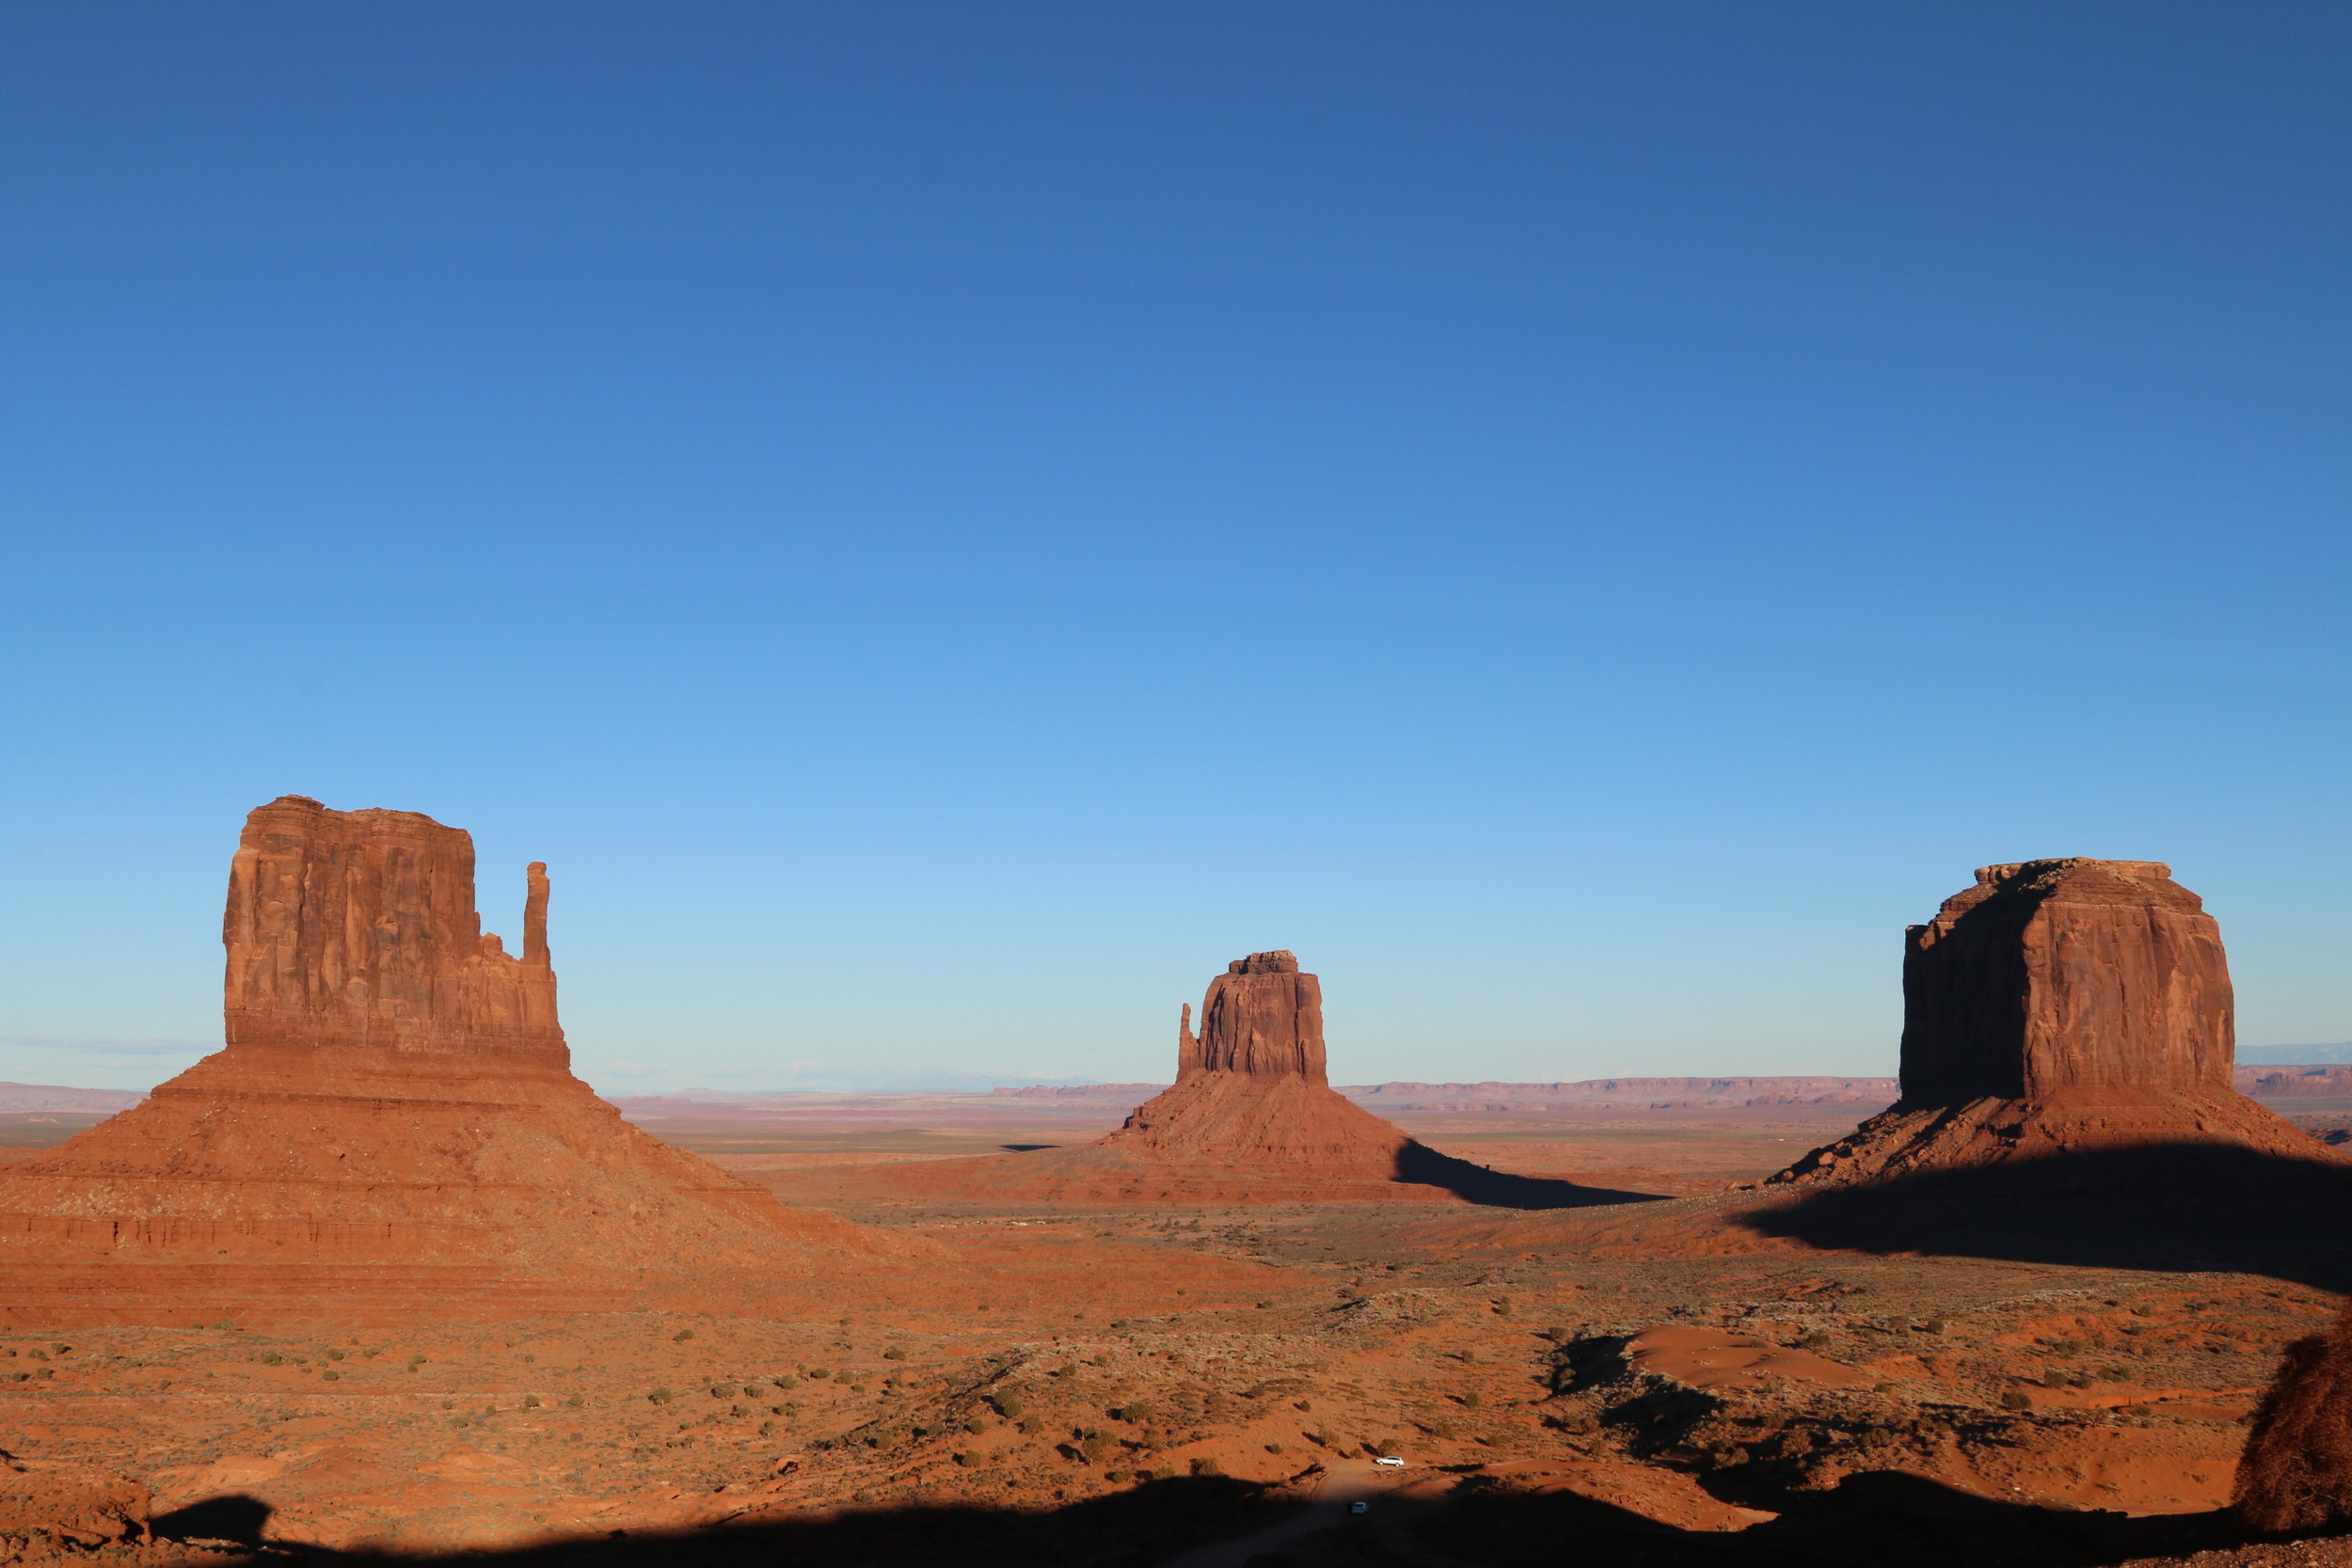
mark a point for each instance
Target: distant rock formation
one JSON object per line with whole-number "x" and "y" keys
{"x": 2284, "y": 1082}
{"x": 393, "y": 1127}
{"x": 61, "y": 1097}
{"x": 1620, "y": 1095}
{"x": 2059, "y": 1005}
{"x": 1249, "y": 1119}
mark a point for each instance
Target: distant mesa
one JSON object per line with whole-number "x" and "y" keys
{"x": 392, "y": 1128}
{"x": 62, "y": 1097}
{"x": 1618, "y": 1095}
{"x": 1251, "y": 1118}
{"x": 2060, "y": 1006}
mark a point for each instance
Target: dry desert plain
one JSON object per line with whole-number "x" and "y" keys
{"x": 1121, "y": 1384}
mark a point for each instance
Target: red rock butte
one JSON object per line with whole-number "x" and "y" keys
{"x": 2058, "y": 1006}
{"x": 393, "y": 1129}
{"x": 1251, "y": 1118}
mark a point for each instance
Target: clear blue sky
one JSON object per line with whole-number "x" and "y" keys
{"x": 945, "y": 523}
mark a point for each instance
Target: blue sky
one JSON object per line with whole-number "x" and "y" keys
{"x": 943, "y": 524}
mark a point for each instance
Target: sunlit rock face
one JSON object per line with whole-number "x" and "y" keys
{"x": 1262, "y": 1017}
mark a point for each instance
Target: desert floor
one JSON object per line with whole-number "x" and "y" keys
{"x": 1212, "y": 1385}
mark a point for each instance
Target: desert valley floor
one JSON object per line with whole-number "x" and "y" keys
{"x": 1629, "y": 1380}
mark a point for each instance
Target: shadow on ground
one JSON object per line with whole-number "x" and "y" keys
{"x": 2198, "y": 1206}
{"x": 1873, "y": 1519}
{"x": 1497, "y": 1189}
{"x": 240, "y": 1520}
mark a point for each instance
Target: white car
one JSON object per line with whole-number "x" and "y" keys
{"x": 1389, "y": 1459}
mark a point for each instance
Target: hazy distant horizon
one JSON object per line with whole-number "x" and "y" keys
{"x": 943, "y": 1081}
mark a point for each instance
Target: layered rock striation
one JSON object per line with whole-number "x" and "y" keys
{"x": 1251, "y": 1118}
{"x": 2059, "y": 1005}
{"x": 393, "y": 1121}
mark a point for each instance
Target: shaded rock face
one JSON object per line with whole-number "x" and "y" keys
{"x": 393, "y": 1129}
{"x": 2057, "y": 1006}
{"x": 2064, "y": 979}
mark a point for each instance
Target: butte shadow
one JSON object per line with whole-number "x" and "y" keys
{"x": 2155, "y": 1207}
{"x": 1868, "y": 1521}
{"x": 1251, "y": 1118}
{"x": 2066, "y": 1053}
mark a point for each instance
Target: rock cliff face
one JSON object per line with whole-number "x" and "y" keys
{"x": 2056, "y": 1005}
{"x": 358, "y": 930}
{"x": 2067, "y": 980}
{"x": 1264, "y": 1018}
{"x": 394, "y": 1122}
{"x": 1249, "y": 1119}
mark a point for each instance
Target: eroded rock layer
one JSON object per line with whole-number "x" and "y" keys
{"x": 2056, "y": 1006}
{"x": 393, "y": 1125}
{"x": 1249, "y": 1119}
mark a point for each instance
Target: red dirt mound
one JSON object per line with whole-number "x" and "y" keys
{"x": 2061, "y": 1007}
{"x": 393, "y": 1128}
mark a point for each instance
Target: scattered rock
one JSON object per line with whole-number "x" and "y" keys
{"x": 76, "y": 1504}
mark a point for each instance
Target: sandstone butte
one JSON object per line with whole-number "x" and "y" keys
{"x": 2061, "y": 1007}
{"x": 394, "y": 1130}
{"x": 1251, "y": 1118}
